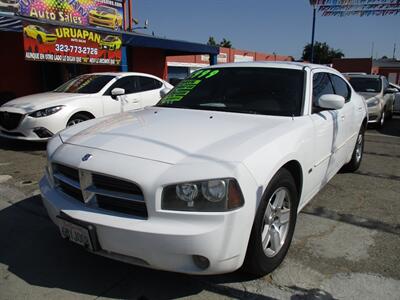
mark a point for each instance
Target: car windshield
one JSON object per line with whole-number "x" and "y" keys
{"x": 366, "y": 85}
{"x": 85, "y": 84}
{"x": 267, "y": 91}
{"x": 106, "y": 9}
{"x": 109, "y": 38}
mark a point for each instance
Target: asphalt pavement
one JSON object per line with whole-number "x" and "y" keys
{"x": 346, "y": 244}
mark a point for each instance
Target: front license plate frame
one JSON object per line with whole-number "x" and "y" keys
{"x": 78, "y": 233}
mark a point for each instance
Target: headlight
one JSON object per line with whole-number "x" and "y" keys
{"x": 373, "y": 102}
{"x": 46, "y": 112}
{"x": 214, "y": 195}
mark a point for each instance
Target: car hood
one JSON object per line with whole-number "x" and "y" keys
{"x": 35, "y": 102}
{"x": 368, "y": 95}
{"x": 178, "y": 135}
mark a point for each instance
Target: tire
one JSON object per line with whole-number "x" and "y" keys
{"x": 357, "y": 155}
{"x": 260, "y": 261}
{"x": 39, "y": 39}
{"x": 382, "y": 119}
{"x": 77, "y": 118}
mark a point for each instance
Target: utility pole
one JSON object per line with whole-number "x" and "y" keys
{"x": 394, "y": 51}
{"x": 372, "y": 50}
{"x": 314, "y": 5}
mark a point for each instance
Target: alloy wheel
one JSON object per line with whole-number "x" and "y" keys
{"x": 74, "y": 122}
{"x": 382, "y": 120}
{"x": 276, "y": 222}
{"x": 359, "y": 147}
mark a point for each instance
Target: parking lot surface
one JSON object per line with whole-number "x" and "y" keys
{"x": 346, "y": 244}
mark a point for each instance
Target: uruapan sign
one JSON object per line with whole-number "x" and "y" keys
{"x": 71, "y": 45}
{"x": 99, "y": 13}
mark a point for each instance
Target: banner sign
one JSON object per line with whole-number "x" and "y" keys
{"x": 44, "y": 42}
{"x": 342, "y": 8}
{"x": 102, "y": 13}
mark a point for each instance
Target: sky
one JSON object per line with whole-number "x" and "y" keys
{"x": 281, "y": 26}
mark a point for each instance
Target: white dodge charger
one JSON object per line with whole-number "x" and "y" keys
{"x": 213, "y": 176}
{"x": 38, "y": 117}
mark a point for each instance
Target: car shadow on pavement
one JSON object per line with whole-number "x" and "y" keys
{"x": 391, "y": 127}
{"x": 18, "y": 145}
{"x": 33, "y": 251}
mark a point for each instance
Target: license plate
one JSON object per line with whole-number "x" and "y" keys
{"x": 76, "y": 234}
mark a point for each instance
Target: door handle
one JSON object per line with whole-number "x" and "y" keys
{"x": 360, "y": 108}
{"x": 342, "y": 117}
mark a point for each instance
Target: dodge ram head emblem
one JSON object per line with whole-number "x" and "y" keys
{"x": 87, "y": 157}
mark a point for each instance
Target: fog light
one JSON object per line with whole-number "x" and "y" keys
{"x": 201, "y": 261}
{"x": 42, "y": 132}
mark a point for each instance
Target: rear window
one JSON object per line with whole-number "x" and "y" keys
{"x": 366, "y": 85}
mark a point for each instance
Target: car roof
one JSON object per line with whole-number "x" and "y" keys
{"x": 275, "y": 64}
{"x": 121, "y": 74}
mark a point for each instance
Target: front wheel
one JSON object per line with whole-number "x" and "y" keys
{"x": 382, "y": 119}
{"x": 357, "y": 155}
{"x": 273, "y": 226}
{"x": 76, "y": 119}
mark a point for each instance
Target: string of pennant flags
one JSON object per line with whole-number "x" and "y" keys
{"x": 343, "y": 8}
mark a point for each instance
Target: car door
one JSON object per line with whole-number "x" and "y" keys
{"x": 126, "y": 102}
{"x": 149, "y": 90}
{"x": 347, "y": 131}
{"x": 326, "y": 133}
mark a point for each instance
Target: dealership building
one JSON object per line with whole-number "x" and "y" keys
{"x": 387, "y": 67}
{"x": 45, "y": 45}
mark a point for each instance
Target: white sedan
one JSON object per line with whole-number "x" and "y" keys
{"x": 214, "y": 175}
{"x": 38, "y": 117}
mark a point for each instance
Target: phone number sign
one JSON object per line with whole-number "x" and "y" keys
{"x": 44, "y": 42}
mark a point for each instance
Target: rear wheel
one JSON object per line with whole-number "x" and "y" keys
{"x": 39, "y": 39}
{"x": 357, "y": 155}
{"x": 273, "y": 226}
{"x": 77, "y": 118}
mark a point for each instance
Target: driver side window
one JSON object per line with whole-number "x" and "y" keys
{"x": 128, "y": 83}
{"x": 322, "y": 85}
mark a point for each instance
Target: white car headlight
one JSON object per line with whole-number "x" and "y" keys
{"x": 373, "y": 102}
{"x": 216, "y": 195}
{"x": 46, "y": 111}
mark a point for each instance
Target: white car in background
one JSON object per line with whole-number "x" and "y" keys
{"x": 214, "y": 175}
{"x": 377, "y": 93}
{"x": 38, "y": 117}
{"x": 396, "y": 106}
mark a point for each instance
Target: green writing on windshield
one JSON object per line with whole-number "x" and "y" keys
{"x": 186, "y": 86}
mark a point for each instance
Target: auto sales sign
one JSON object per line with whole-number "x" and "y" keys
{"x": 98, "y": 13}
{"x": 44, "y": 42}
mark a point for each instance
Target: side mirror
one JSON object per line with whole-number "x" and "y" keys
{"x": 164, "y": 92}
{"x": 331, "y": 101}
{"x": 391, "y": 91}
{"x": 117, "y": 92}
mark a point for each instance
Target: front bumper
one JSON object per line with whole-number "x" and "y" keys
{"x": 29, "y": 127}
{"x": 167, "y": 240}
{"x": 374, "y": 114}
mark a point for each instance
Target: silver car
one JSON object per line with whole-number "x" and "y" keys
{"x": 396, "y": 106}
{"x": 377, "y": 93}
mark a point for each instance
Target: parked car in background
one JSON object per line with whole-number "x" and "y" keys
{"x": 378, "y": 95}
{"x": 396, "y": 106}
{"x": 214, "y": 175}
{"x": 37, "y": 117}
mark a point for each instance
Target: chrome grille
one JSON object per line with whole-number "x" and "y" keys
{"x": 101, "y": 191}
{"x": 10, "y": 120}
